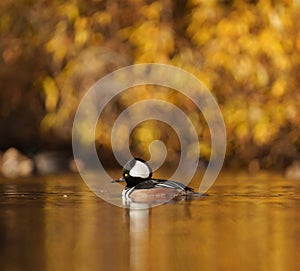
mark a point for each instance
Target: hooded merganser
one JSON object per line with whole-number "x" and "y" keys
{"x": 140, "y": 185}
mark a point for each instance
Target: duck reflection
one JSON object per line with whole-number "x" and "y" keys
{"x": 139, "y": 223}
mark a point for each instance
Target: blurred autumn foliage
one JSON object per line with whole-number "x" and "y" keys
{"x": 246, "y": 52}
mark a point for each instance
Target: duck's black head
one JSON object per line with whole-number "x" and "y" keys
{"x": 135, "y": 171}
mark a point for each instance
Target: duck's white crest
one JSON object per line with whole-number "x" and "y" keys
{"x": 140, "y": 169}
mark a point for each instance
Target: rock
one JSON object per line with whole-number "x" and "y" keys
{"x": 15, "y": 164}
{"x": 293, "y": 171}
{"x": 76, "y": 165}
{"x": 51, "y": 162}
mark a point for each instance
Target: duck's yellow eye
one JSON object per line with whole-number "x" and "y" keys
{"x": 126, "y": 175}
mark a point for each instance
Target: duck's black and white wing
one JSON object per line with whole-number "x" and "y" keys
{"x": 171, "y": 184}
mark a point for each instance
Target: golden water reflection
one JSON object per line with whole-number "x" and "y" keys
{"x": 58, "y": 224}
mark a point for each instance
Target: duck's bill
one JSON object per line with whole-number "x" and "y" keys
{"x": 118, "y": 180}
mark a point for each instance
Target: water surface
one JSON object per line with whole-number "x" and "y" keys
{"x": 57, "y": 223}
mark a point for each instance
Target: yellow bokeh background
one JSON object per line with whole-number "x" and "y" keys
{"x": 246, "y": 52}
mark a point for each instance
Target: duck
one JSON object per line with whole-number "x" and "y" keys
{"x": 141, "y": 186}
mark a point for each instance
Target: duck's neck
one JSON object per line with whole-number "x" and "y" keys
{"x": 131, "y": 182}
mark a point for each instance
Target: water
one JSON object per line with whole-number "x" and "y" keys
{"x": 57, "y": 223}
